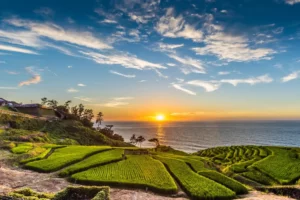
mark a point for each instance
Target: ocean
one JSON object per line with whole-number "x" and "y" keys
{"x": 193, "y": 136}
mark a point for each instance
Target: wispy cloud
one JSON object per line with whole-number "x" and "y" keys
{"x": 291, "y": 76}
{"x": 44, "y": 11}
{"x": 16, "y": 49}
{"x": 292, "y": 2}
{"x": 171, "y": 26}
{"x": 72, "y": 90}
{"x": 2, "y": 62}
{"x": 232, "y": 48}
{"x": 124, "y": 75}
{"x": 160, "y": 74}
{"x": 81, "y": 85}
{"x": 167, "y": 47}
{"x": 8, "y": 88}
{"x": 38, "y": 31}
{"x": 69, "y": 67}
{"x": 82, "y": 98}
{"x": 12, "y": 72}
{"x": 35, "y": 79}
{"x": 223, "y": 73}
{"x": 189, "y": 64}
{"x": 109, "y": 21}
{"x": 116, "y": 102}
{"x": 171, "y": 64}
{"x": 125, "y": 60}
{"x": 213, "y": 85}
{"x": 179, "y": 87}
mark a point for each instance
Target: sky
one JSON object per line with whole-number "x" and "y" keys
{"x": 135, "y": 59}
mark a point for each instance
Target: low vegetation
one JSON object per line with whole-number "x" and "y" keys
{"x": 93, "y": 161}
{"x": 196, "y": 186}
{"x": 135, "y": 171}
{"x": 64, "y": 156}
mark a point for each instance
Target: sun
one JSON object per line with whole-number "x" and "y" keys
{"x": 160, "y": 117}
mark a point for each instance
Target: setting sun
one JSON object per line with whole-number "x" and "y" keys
{"x": 160, "y": 117}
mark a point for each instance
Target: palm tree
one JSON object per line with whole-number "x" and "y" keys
{"x": 99, "y": 118}
{"x": 133, "y": 139}
{"x": 140, "y": 140}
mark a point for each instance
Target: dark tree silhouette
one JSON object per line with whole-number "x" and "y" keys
{"x": 99, "y": 118}
{"x": 140, "y": 140}
{"x": 133, "y": 139}
{"x": 156, "y": 141}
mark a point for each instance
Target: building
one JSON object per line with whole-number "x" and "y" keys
{"x": 36, "y": 110}
{"x": 4, "y": 102}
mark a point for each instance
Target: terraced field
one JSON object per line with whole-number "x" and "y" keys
{"x": 64, "y": 156}
{"x": 202, "y": 175}
{"x": 135, "y": 171}
{"x": 93, "y": 161}
{"x": 264, "y": 165}
{"x": 197, "y": 186}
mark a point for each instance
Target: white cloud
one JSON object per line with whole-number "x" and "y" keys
{"x": 252, "y": 81}
{"x": 179, "y": 87}
{"x": 232, "y": 48}
{"x": 142, "y": 81}
{"x": 69, "y": 67}
{"x": 116, "y": 102}
{"x": 86, "y": 99}
{"x": 109, "y": 21}
{"x": 35, "y": 79}
{"x": 81, "y": 85}
{"x": 292, "y": 2}
{"x": 57, "y": 33}
{"x": 126, "y": 60}
{"x": 124, "y": 75}
{"x": 72, "y": 90}
{"x": 160, "y": 74}
{"x": 189, "y": 64}
{"x": 2, "y": 62}
{"x": 213, "y": 85}
{"x": 209, "y": 86}
{"x": 16, "y": 49}
{"x": 223, "y": 73}
{"x": 171, "y": 64}
{"x": 291, "y": 76}
{"x": 224, "y": 11}
{"x": 8, "y": 88}
{"x": 175, "y": 27}
{"x": 167, "y": 47}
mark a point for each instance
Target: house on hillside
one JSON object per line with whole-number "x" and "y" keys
{"x": 36, "y": 110}
{"x": 4, "y": 102}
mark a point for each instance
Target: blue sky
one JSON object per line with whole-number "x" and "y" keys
{"x": 131, "y": 59}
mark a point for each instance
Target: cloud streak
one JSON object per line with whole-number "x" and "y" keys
{"x": 290, "y": 77}
{"x": 123, "y": 75}
{"x": 179, "y": 87}
{"x": 16, "y": 49}
{"x": 35, "y": 79}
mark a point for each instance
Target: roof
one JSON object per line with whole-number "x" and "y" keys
{"x": 2, "y": 100}
{"x": 34, "y": 105}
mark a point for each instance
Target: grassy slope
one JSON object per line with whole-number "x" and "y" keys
{"x": 135, "y": 171}
{"x": 63, "y": 157}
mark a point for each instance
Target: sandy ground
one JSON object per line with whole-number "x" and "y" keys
{"x": 12, "y": 178}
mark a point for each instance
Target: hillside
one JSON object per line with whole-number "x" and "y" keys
{"x": 59, "y": 132}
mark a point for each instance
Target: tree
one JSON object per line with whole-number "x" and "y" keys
{"x": 99, "y": 118}
{"x": 140, "y": 140}
{"x": 156, "y": 141}
{"x": 133, "y": 139}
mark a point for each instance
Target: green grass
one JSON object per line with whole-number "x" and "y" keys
{"x": 232, "y": 184}
{"x": 135, "y": 171}
{"x": 242, "y": 166}
{"x": 196, "y": 186}
{"x": 38, "y": 157}
{"x": 259, "y": 177}
{"x": 283, "y": 165}
{"x": 93, "y": 161}
{"x": 64, "y": 156}
{"x": 22, "y": 148}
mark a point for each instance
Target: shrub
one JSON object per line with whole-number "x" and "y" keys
{"x": 81, "y": 192}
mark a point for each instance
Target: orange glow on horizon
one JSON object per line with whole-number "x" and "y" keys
{"x": 160, "y": 117}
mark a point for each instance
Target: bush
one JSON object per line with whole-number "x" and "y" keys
{"x": 81, "y": 192}
{"x": 28, "y": 194}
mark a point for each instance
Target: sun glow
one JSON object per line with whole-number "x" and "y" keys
{"x": 160, "y": 117}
